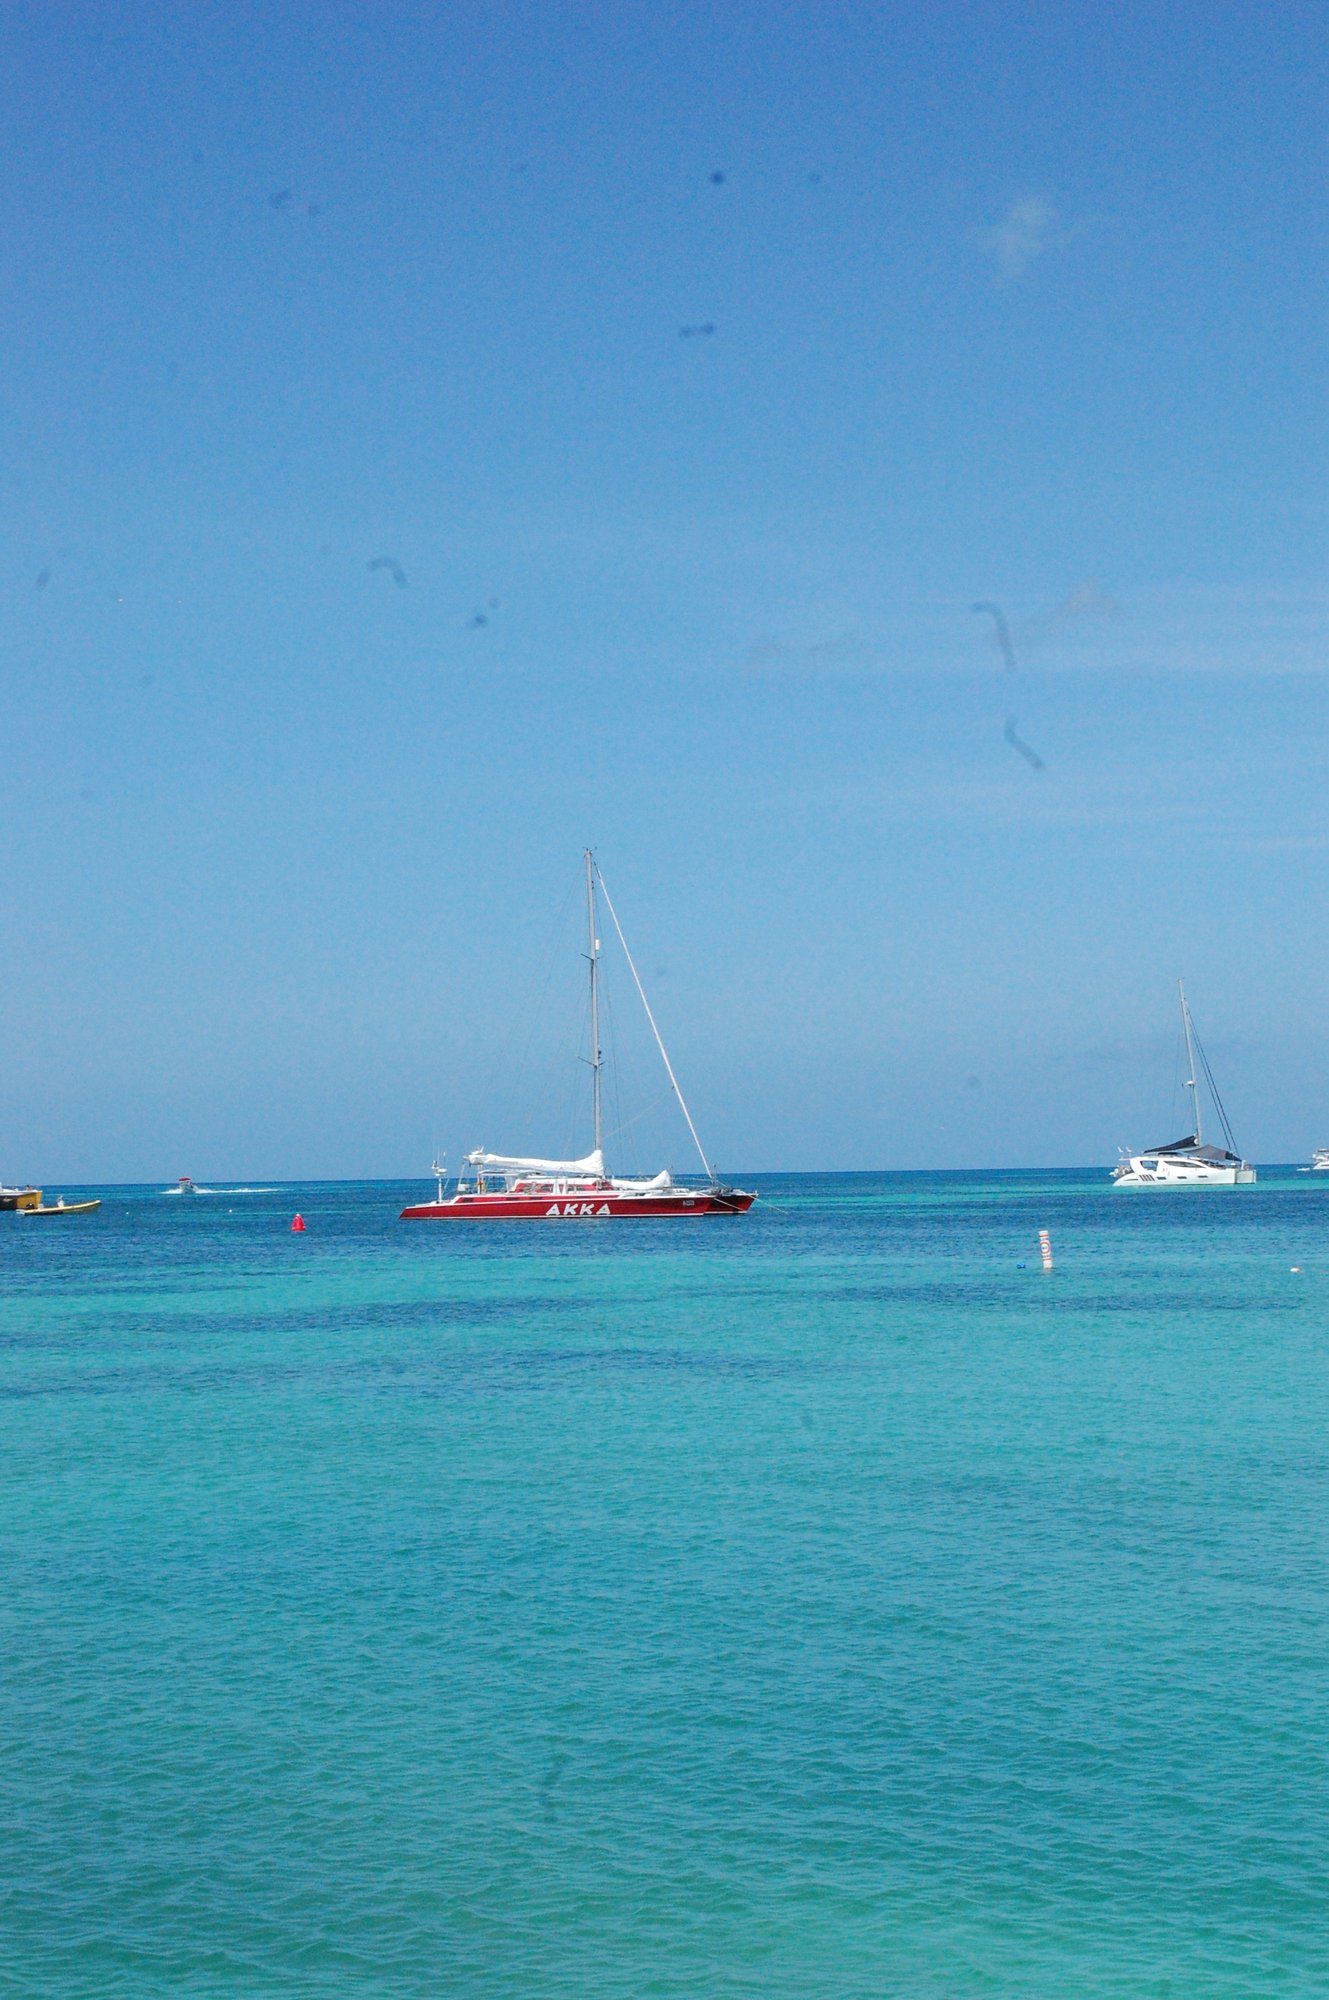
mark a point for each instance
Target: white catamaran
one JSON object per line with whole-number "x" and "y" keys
{"x": 1188, "y": 1162}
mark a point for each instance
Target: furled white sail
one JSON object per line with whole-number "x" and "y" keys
{"x": 592, "y": 1167}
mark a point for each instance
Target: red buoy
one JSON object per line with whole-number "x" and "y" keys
{"x": 299, "y": 1222}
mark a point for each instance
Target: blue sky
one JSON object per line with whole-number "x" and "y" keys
{"x": 719, "y": 360}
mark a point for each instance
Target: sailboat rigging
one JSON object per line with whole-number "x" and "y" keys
{"x": 507, "y": 1187}
{"x": 1189, "y": 1162}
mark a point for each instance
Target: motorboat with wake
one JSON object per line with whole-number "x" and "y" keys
{"x": 1189, "y": 1162}
{"x": 506, "y": 1187}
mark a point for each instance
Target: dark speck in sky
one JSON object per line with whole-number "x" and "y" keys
{"x": 43, "y": 578}
{"x": 1004, "y": 641}
{"x": 313, "y": 209}
{"x": 717, "y": 179}
{"x": 1030, "y": 756}
{"x": 998, "y": 617}
{"x": 280, "y": 198}
{"x": 701, "y": 332}
{"x": 473, "y": 624}
{"x": 394, "y": 569}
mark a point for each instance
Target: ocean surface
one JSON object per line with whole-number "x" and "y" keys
{"x": 827, "y": 1603}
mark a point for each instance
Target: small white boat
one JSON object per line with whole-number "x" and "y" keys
{"x": 1188, "y": 1162}
{"x": 1320, "y": 1160}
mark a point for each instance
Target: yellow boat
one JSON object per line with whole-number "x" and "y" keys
{"x": 24, "y": 1198}
{"x": 63, "y": 1207}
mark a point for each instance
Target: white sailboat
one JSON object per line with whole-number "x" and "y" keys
{"x": 1188, "y": 1162}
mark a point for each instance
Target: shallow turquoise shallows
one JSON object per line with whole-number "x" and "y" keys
{"x": 828, "y": 1603}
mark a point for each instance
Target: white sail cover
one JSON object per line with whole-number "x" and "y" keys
{"x": 591, "y": 1168}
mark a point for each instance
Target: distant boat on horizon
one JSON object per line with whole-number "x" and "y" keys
{"x": 507, "y": 1187}
{"x": 1188, "y": 1162}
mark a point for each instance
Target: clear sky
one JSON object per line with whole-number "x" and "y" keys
{"x": 440, "y": 437}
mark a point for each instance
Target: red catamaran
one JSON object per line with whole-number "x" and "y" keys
{"x": 508, "y": 1189}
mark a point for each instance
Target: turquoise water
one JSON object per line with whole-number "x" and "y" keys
{"x": 816, "y": 1604}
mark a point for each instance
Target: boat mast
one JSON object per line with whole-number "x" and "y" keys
{"x": 593, "y": 951}
{"x": 1191, "y": 1083}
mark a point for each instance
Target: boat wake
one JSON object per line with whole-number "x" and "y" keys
{"x": 234, "y": 1190}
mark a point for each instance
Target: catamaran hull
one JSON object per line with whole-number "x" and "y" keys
{"x": 578, "y": 1208}
{"x": 1167, "y": 1173}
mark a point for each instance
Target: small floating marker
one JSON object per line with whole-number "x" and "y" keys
{"x": 1295, "y": 1267}
{"x": 299, "y": 1223}
{"x": 1045, "y": 1248}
